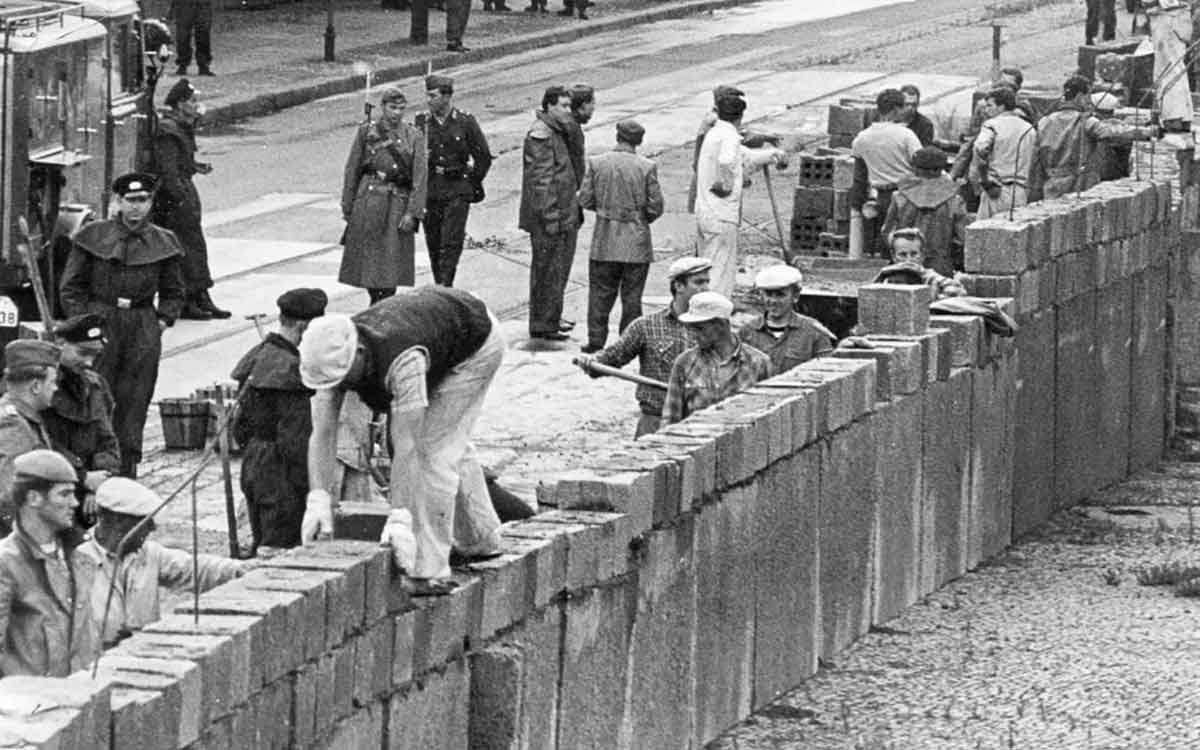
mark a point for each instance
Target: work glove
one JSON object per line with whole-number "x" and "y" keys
{"x": 318, "y": 516}
{"x": 398, "y": 535}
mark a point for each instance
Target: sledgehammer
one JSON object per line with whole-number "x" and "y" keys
{"x": 595, "y": 367}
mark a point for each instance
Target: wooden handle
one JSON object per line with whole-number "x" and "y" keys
{"x": 616, "y": 372}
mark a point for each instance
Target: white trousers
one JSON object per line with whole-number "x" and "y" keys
{"x": 1171, "y": 33}
{"x": 718, "y": 241}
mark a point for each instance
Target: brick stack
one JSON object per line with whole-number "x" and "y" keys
{"x": 846, "y": 119}
{"x": 821, "y": 205}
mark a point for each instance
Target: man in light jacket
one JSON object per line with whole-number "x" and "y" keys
{"x": 622, "y": 188}
{"x": 1004, "y": 152}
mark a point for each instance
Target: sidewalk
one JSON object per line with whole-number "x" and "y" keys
{"x": 272, "y": 59}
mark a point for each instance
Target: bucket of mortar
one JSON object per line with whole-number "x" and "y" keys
{"x": 184, "y": 422}
{"x": 229, "y": 392}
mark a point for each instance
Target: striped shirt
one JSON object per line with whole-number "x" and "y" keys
{"x": 656, "y": 340}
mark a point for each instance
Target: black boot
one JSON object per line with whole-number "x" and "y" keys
{"x": 193, "y": 311}
{"x": 205, "y": 302}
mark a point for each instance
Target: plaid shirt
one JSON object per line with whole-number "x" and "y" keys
{"x": 656, "y": 340}
{"x": 803, "y": 339}
{"x": 700, "y": 379}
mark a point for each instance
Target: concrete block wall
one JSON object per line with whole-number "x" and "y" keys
{"x": 693, "y": 575}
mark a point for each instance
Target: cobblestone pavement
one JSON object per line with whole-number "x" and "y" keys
{"x": 1054, "y": 645}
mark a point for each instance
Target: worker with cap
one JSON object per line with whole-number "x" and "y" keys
{"x": 45, "y": 583}
{"x": 932, "y": 202}
{"x": 656, "y": 340}
{"x": 383, "y": 198}
{"x": 177, "y": 202}
{"x": 141, "y": 568}
{"x": 720, "y": 177}
{"x": 749, "y": 139}
{"x": 426, "y": 357}
{"x": 116, "y": 269}
{"x": 717, "y": 367}
{"x": 30, "y": 379}
{"x": 1112, "y": 157}
{"x": 1068, "y": 137}
{"x": 79, "y": 420}
{"x": 459, "y": 160}
{"x": 622, "y": 188}
{"x": 783, "y": 334}
{"x": 273, "y": 423}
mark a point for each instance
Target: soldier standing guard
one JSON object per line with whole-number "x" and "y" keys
{"x": 274, "y": 422}
{"x": 177, "y": 204}
{"x": 459, "y": 160}
{"x": 30, "y": 378}
{"x": 116, "y": 267}
{"x": 79, "y": 420}
{"x": 383, "y": 198}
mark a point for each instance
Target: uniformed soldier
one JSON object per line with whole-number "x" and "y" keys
{"x": 274, "y": 421}
{"x": 459, "y": 161}
{"x": 30, "y": 379}
{"x": 116, "y": 267}
{"x": 79, "y": 420}
{"x": 783, "y": 334}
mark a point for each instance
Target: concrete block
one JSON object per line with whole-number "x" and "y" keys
{"x": 547, "y": 545}
{"x": 343, "y": 662}
{"x": 667, "y": 471}
{"x": 894, "y": 308}
{"x": 820, "y": 393}
{"x": 1033, "y": 428}
{"x": 168, "y": 692}
{"x": 702, "y": 462}
{"x": 508, "y": 584}
{"x": 846, "y": 120}
{"x": 245, "y": 635}
{"x": 444, "y": 624}
{"x": 726, "y": 548}
{"x": 997, "y": 246}
{"x": 796, "y": 416}
{"x": 1075, "y": 403}
{"x": 946, "y": 471}
{"x": 433, "y": 713}
{"x": 935, "y": 353}
{"x": 858, "y": 387}
{"x": 898, "y": 489}
{"x": 1147, "y": 406}
{"x": 273, "y": 710}
{"x": 345, "y": 596}
{"x": 965, "y": 338}
{"x": 729, "y": 443}
{"x": 1028, "y": 291}
{"x": 787, "y": 627}
{"x": 847, "y": 498}
{"x": 843, "y": 172}
{"x": 514, "y": 686}
{"x": 373, "y": 661}
{"x": 403, "y": 632}
{"x": 610, "y": 534}
{"x": 53, "y": 712}
{"x": 1060, "y": 229}
{"x": 222, "y": 689}
{"x": 595, "y": 662}
{"x": 363, "y": 729}
{"x": 900, "y": 365}
{"x": 312, "y": 585}
{"x": 658, "y": 707}
{"x": 1114, "y": 340}
{"x": 629, "y": 492}
{"x": 813, "y": 202}
{"x": 989, "y": 519}
{"x": 304, "y": 696}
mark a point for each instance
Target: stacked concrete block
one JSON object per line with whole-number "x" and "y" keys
{"x": 900, "y": 366}
{"x": 1113, "y": 344}
{"x": 1148, "y": 368}
{"x": 989, "y": 515}
{"x": 55, "y": 713}
{"x": 432, "y": 713}
{"x": 898, "y": 489}
{"x": 946, "y": 472}
{"x": 897, "y": 309}
{"x": 821, "y": 203}
{"x": 1034, "y": 441}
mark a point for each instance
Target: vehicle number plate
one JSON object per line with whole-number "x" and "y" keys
{"x": 8, "y": 313}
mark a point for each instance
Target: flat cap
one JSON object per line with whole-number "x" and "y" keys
{"x": 723, "y": 90}
{"x": 81, "y": 328}
{"x": 392, "y": 94}
{"x": 31, "y": 353}
{"x": 121, "y": 495}
{"x": 707, "y": 306}
{"x": 180, "y": 92}
{"x": 778, "y": 276}
{"x": 133, "y": 183}
{"x": 630, "y": 131}
{"x": 930, "y": 158}
{"x": 327, "y": 351}
{"x": 441, "y": 83}
{"x": 45, "y": 464}
{"x": 303, "y": 303}
{"x": 688, "y": 265}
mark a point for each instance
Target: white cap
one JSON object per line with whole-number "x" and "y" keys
{"x": 122, "y": 495}
{"x": 778, "y": 276}
{"x": 707, "y": 306}
{"x": 327, "y": 351}
{"x": 688, "y": 265}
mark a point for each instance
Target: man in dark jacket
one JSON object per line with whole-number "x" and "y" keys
{"x": 919, "y": 124}
{"x": 193, "y": 17}
{"x": 79, "y": 420}
{"x": 426, "y": 357}
{"x": 549, "y": 212}
{"x": 933, "y": 203}
{"x": 459, "y": 161}
{"x": 177, "y": 204}
{"x": 116, "y": 268}
{"x": 274, "y": 422}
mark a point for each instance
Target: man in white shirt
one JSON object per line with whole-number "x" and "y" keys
{"x": 719, "y": 179}
{"x": 882, "y": 160}
{"x": 1004, "y": 153}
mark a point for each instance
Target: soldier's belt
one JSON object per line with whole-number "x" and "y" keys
{"x": 127, "y": 303}
{"x": 450, "y": 171}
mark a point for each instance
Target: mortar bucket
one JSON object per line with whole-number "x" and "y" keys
{"x": 184, "y": 422}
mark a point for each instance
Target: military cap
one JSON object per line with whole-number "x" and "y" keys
{"x": 81, "y": 328}
{"x": 778, "y": 276}
{"x": 121, "y": 495}
{"x": 180, "y": 92}
{"x": 31, "y": 353}
{"x": 445, "y": 84}
{"x": 930, "y": 157}
{"x": 43, "y": 463}
{"x": 630, "y": 131}
{"x": 134, "y": 183}
{"x": 688, "y": 265}
{"x": 707, "y": 306}
{"x": 303, "y": 303}
{"x": 392, "y": 94}
{"x": 327, "y": 351}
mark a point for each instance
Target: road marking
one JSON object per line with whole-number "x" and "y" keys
{"x": 268, "y": 203}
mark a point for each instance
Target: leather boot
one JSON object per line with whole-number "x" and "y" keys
{"x": 192, "y": 311}
{"x": 204, "y": 301}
